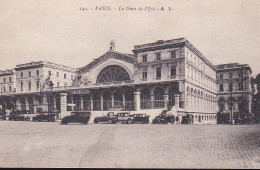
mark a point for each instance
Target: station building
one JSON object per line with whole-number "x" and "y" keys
{"x": 160, "y": 75}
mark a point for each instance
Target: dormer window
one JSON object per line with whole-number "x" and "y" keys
{"x": 144, "y": 58}
{"x": 158, "y": 56}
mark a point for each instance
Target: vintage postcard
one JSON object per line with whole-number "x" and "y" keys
{"x": 130, "y": 84}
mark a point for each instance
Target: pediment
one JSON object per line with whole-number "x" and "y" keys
{"x": 110, "y": 54}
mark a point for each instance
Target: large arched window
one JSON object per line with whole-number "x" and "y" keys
{"x": 173, "y": 70}
{"x": 113, "y": 73}
{"x": 158, "y": 72}
{"x": 221, "y": 88}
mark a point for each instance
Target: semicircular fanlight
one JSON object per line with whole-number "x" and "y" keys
{"x": 113, "y": 73}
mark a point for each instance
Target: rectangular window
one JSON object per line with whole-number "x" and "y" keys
{"x": 71, "y": 77}
{"x": 230, "y": 75}
{"x": 65, "y": 76}
{"x": 10, "y": 79}
{"x": 21, "y": 86}
{"x": 158, "y": 56}
{"x": 57, "y": 74}
{"x": 29, "y": 85}
{"x": 37, "y": 72}
{"x": 29, "y": 74}
{"x": 144, "y": 58}
{"x": 240, "y": 74}
{"x": 4, "y": 80}
{"x": 173, "y": 54}
{"x": 144, "y": 74}
{"x": 221, "y": 76}
{"x": 37, "y": 84}
{"x": 158, "y": 72}
{"x": 21, "y": 74}
{"x": 49, "y": 73}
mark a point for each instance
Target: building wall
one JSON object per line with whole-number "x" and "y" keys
{"x": 165, "y": 63}
{"x": 7, "y": 82}
{"x": 224, "y": 97}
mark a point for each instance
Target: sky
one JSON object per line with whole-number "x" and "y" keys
{"x": 224, "y": 31}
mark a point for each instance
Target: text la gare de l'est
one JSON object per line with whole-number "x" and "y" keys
{"x": 127, "y": 8}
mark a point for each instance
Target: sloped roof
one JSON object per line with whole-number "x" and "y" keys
{"x": 110, "y": 54}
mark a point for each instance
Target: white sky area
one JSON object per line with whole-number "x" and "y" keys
{"x": 225, "y": 31}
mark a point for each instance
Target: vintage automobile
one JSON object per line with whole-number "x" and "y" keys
{"x": 45, "y": 116}
{"x": 77, "y": 117}
{"x": 19, "y": 115}
{"x": 3, "y": 114}
{"x": 164, "y": 118}
{"x": 109, "y": 118}
{"x": 140, "y": 118}
{"x": 124, "y": 117}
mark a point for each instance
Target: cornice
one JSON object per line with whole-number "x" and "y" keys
{"x": 110, "y": 54}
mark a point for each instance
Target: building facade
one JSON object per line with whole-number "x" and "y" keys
{"x": 160, "y": 75}
{"x": 234, "y": 88}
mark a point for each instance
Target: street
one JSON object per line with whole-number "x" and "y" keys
{"x": 47, "y": 144}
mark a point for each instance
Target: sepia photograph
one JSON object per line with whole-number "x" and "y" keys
{"x": 130, "y": 84}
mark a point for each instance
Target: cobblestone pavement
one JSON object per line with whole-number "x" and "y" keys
{"x": 46, "y": 144}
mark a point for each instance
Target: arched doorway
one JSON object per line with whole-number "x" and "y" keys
{"x": 23, "y": 103}
{"x": 129, "y": 99}
{"x": 172, "y": 91}
{"x": 96, "y": 101}
{"x": 146, "y": 99}
{"x": 118, "y": 99}
{"x": 158, "y": 98}
{"x": 113, "y": 73}
{"x": 107, "y": 104}
{"x": 31, "y": 106}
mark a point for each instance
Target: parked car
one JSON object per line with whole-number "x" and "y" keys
{"x": 19, "y": 115}
{"x": 45, "y": 116}
{"x": 140, "y": 118}
{"x": 164, "y": 118}
{"x": 3, "y": 114}
{"x": 77, "y": 117}
{"x": 109, "y": 118}
{"x": 124, "y": 117}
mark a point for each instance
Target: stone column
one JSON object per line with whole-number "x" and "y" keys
{"x": 44, "y": 102}
{"x": 112, "y": 100}
{"x": 177, "y": 99}
{"x": 102, "y": 102}
{"x": 81, "y": 103}
{"x": 123, "y": 96}
{"x": 91, "y": 102}
{"x": 152, "y": 100}
{"x": 63, "y": 104}
{"x": 72, "y": 102}
{"x": 27, "y": 103}
{"x": 54, "y": 103}
{"x": 166, "y": 100}
{"x": 137, "y": 101}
